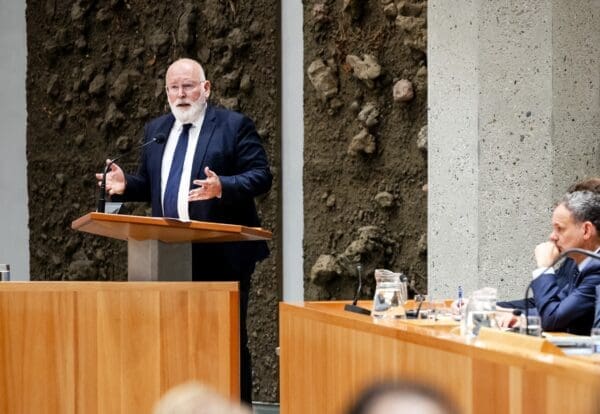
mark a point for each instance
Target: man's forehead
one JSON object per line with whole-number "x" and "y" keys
{"x": 562, "y": 215}
{"x": 182, "y": 70}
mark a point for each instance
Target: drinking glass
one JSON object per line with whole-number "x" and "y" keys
{"x": 533, "y": 326}
{"x": 595, "y": 334}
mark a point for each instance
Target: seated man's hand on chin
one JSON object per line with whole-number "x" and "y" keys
{"x": 545, "y": 254}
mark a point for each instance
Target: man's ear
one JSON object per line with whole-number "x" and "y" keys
{"x": 206, "y": 86}
{"x": 589, "y": 231}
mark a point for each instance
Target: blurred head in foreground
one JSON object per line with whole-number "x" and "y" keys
{"x": 402, "y": 397}
{"x": 195, "y": 398}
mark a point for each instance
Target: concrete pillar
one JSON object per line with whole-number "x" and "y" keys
{"x": 292, "y": 148}
{"x": 514, "y": 119}
{"x": 14, "y": 217}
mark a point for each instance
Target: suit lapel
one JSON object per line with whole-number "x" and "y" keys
{"x": 206, "y": 133}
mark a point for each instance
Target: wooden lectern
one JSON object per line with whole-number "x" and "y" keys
{"x": 116, "y": 347}
{"x": 158, "y": 247}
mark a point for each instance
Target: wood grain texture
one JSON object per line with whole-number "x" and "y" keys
{"x": 114, "y": 347}
{"x": 126, "y": 227}
{"x": 327, "y": 356}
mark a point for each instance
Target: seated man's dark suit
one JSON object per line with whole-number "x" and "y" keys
{"x": 570, "y": 308}
{"x": 562, "y": 274}
{"x": 597, "y": 317}
{"x": 230, "y": 146}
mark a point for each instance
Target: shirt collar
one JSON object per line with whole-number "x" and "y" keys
{"x": 585, "y": 261}
{"x": 195, "y": 124}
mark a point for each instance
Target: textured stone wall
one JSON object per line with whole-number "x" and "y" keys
{"x": 95, "y": 76}
{"x": 365, "y": 143}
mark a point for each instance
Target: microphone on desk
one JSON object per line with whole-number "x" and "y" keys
{"x": 159, "y": 139}
{"x": 558, "y": 259}
{"x": 419, "y": 297}
{"x": 353, "y": 307}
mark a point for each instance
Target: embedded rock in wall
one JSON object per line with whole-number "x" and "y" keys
{"x": 422, "y": 244}
{"x": 363, "y": 142}
{"x": 372, "y": 248}
{"x": 325, "y": 269}
{"x": 368, "y": 115}
{"x": 123, "y": 143}
{"x": 412, "y": 20}
{"x": 322, "y": 79}
{"x": 403, "y": 91}
{"x": 97, "y": 85}
{"x": 384, "y": 199}
{"x": 410, "y": 24}
{"x": 230, "y": 103}
{"x": 422, "y": 138}
{"x": 187, "y": 26}
{"x": 320, "y": 13}
{"x": 390, "y": 9}
{"x": 366, "y": 69}
{"x": 420, "y": 80}
{"x": 122, "y": 87}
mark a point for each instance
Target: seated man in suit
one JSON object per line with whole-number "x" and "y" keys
{"x": 568, "y": 265}
{"x": 210, "y": 168}
{"x": 576, "y": 224}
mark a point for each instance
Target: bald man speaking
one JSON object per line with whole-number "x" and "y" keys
{"x": 210, "y": 168}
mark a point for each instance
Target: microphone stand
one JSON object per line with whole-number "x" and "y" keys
{"x": 353, "y": 307}
{"x": 411, "y": 313}
{"x": 558, "y": 259}
{"x": 101, "y": 207}
{"x": 102, "y": 199}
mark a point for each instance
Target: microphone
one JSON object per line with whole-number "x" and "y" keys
{"x": 418, "y": 312}
{"x": 419, "y": 297}
{"x": 159, "y": 139}
{"x": 353, "y": 307}
{"x": 558, "y": 259}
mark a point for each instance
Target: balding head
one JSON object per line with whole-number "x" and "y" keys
{"x": 188, "y": 66}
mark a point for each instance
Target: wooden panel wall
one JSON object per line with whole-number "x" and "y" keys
{"x": 113, "y": 347}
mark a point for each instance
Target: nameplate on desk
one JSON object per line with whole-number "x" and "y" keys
{"x": 501, "y": 340}
{"x": 572, "y": 344}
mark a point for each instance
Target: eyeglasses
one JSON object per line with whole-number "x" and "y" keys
{"x": 186, "y": 87}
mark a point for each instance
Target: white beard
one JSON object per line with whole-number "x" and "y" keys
{"x": 190, "y": 114}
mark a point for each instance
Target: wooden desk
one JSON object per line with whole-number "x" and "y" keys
{"x": 327, "y": 356}
{"x": 113, "y": 347}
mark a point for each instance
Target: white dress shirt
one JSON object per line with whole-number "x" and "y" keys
{"x": 186, "y": 174}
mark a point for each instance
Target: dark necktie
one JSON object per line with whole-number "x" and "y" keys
{"x": 573, "y": 279}
{"x": 172, "y": 188}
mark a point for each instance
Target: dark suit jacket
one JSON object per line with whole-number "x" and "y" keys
{"x": 597, "y": 317}
{"x": 562, "y": 276}
{"x": 570, "y": 308}
{"x": 230, "y": 146}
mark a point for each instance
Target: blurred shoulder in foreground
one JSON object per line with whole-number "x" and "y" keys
{"x": 402, "y": 397}
{"x": 195, "y": 398}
